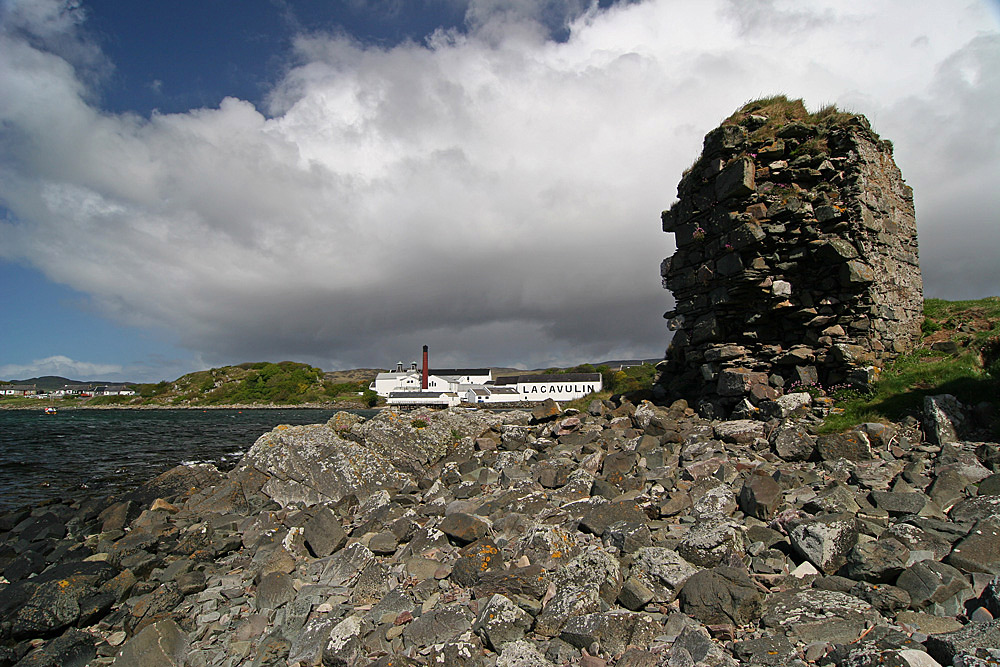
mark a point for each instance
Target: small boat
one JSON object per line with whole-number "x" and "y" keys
{"x": 50, "y": 410}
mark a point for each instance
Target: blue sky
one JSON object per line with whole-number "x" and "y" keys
{"x": 191, "y": 184}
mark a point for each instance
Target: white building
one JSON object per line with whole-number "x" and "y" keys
{"x": 558, "y": 387}
{"x": 114, "y": 390}
{"x": 18, "y": 390}
{"x": 450, "y": 386}
{"x": 491, "y": 394}
{"x": 438, "y": 379}
{"x": 441, "y": 398}
{"x": 74, "y": 390}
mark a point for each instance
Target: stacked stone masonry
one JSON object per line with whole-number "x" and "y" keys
{"x": 796, "y": 260}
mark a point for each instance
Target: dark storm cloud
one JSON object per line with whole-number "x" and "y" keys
{"x": 492, "y": 193}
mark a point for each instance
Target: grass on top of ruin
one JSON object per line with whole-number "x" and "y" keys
{"x": 779, "y": 111}
{"x": 958, "y": 354}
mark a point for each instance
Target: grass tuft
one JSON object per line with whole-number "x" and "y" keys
{"x": 969, "y": 369}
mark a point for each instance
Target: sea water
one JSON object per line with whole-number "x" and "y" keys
{"x": 76, "y": 454}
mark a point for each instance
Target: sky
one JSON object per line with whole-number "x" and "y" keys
{"x": 191, "y": 184}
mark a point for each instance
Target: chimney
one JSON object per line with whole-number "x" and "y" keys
{"x": 423, "y": 379}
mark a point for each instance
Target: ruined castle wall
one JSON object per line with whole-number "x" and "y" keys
{"x": 796, "y": 260}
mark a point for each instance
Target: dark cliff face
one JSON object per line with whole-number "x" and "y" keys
{"x": 796, "y": 258}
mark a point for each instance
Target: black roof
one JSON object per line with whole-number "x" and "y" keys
{"x": 558, "y": 377}
{"x": 458, "y": 371}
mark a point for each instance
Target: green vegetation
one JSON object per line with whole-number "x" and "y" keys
{"x": 634, "y": 382}
{"x": 259, "y": 383}
{"x": 779, "y": 110}
{"x": 959, "y": 354}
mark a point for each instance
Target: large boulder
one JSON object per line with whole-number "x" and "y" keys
{"x": 814, "y": 615}
{"x": 722, "y": 595}
{"x": 313, "y": 464}
{"x": 162, "y": 644}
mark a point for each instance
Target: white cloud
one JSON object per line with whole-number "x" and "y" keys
{"x": 493, "y": 194}
{"x": 62, "y": 366}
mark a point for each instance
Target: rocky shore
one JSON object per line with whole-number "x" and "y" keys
{"x": 632, "y": 536}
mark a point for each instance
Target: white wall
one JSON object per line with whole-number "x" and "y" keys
{"x": 557, "y": 391}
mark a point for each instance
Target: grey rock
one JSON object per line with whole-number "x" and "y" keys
{"x": 886, "y": 598}
{"x": 979, "y": 551}
{"x": 464, "y": 528}
{"x": 452, "y": 653}
{"x": 877, "y": 562}
{"x": 73, "y": 648}
{"x": 307, "y": 646}
{"x": 635, "y": 594}
{"x": 825, "y": 541}
{"x": 990, "y": 486}
{"x": 613, "y": 630}
{"x": 739, "y": 381}
{"x": 712, "y": 541}
{"x": 944, "y": 416}
{"x": 161, "y": 644}
{"x": 765, "y": 651}
{"x": 314, "y": 464}
{"x": 274, "y": 590}
{"x": 760, "y": 496}
{"x": 475, "y": 561}
{"x": 501, "y": 621}
{"x": 933, "y": 586}
{"x": 438, "y": 626}
{"x": 628, "y": 537}
{"x": 740, "y": 431}
{"x": 598, "y": 519}
{"x": 920, "y": 540}
{"x": 522, "y": 654}
{"x": 343, "y": 646}
{"x": 323, "y": 533}
{"x": 945, "y": 647}
{"x": 813, "y": 615}
{"x": 693, "y": 647}
{"x": 721, "y": 595}
{"x": 787, "y": 405}
{"x": 853, "y": 446}
{"x": 592, "y": 568}
{"x": 566, "y": 603}
{"x": 792, "y": 442}
{"x": 344, "y": 567}
{"x": 898, "y": 503}
{"x": 975, "y": 509}
{"x": 736, "y": 180}
{"x": 664, "y": 567}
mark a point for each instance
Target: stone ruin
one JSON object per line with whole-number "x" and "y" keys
{"x": 796, "y": 261}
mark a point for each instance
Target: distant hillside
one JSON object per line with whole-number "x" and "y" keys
{"x": 51, "y": 382}
{"x": 365, "y": 375}
{"x": 260, "y": 383}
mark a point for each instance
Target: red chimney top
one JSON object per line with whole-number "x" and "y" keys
{"x": 423, "y": 379}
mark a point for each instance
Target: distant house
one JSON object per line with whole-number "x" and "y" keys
{"x": 114, "y": 390}
{"x": 74, "y": 390}
{"x": 18, "y": 390}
